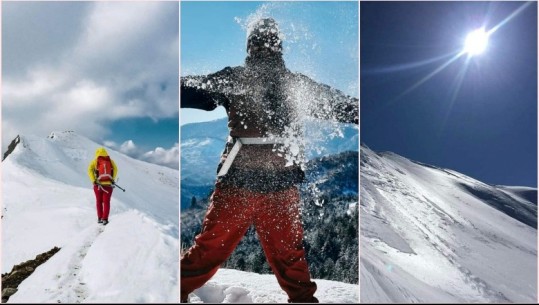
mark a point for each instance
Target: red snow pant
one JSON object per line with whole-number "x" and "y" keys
{"x": 276, "y": 218}
{"x": 102, "y": 201}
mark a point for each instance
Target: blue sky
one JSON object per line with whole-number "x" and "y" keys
{"x": 321, "y": 41}
{"x": 106, "y": 70}
{"x": 483, "y": 124}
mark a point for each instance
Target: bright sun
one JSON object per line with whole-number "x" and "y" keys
{"x": 476, "y": 42}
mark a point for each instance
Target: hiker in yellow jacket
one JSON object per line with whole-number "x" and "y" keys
{"x": 102, "y": 172}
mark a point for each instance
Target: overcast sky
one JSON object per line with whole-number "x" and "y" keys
{"x": 106, "y": 70}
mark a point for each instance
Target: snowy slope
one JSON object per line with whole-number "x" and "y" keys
{"x": 233, "y": 286}
{"x": 48, "y": 201}
{"x": 203, "y": 143}
{"x": 435, "y": 235}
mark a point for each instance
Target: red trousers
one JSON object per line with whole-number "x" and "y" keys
{"x": 276, "y": 217}
{"x": 102, "y": 201}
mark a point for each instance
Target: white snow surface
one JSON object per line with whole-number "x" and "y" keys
{"x": 434, "y": 235}
{"x": 48, "y": 201}
{"x": 233, "y": 286}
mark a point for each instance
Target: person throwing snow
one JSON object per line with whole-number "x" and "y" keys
{"x": 260, "y": 168}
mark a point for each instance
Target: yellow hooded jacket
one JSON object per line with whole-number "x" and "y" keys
{"x": 101, "y": 152}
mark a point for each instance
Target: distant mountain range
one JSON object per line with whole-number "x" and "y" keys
{"x": 203, "y": 143}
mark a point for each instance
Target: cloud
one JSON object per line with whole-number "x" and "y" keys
{"x": 129, "y": 148}
{"x": 167, "y": 157}
{"x": 110, "y": 144}
{"x": 161, "y": 156}
{"x": 116, "y": 60}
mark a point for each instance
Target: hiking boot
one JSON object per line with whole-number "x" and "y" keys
{"x": 99, "y": 220}
{"x": 311, "y": 300}
{"x": 184, "y": 299}
{"x": 105, "y": 221}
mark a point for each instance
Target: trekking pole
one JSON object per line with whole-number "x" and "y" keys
{"x": 116, "y": 185}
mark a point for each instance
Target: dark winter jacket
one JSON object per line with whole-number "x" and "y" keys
{"x": 264, "y": 99}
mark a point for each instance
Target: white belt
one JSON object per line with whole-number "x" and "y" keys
{"x": 236, "y": 148}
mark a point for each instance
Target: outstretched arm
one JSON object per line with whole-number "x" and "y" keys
{"x": 328, "y": 103}
{"x": 206, "y": 92}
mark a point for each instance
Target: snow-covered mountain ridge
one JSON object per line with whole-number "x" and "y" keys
{"x": 435, "y": 235}
{"x": 48, "y": 201}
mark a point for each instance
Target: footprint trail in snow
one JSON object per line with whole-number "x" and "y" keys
{"x": 71, "y": 284}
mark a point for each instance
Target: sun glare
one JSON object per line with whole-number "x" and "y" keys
{"x": 476, "y": 42}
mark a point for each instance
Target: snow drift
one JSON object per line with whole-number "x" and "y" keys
{"x": 233, "y": 286}
{"x": 434, "y": 235}
{"x": 48, "y": 201}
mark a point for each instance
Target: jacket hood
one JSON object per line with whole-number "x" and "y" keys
{"x": 264, "y": 38}
{"x": 101, "y": 152}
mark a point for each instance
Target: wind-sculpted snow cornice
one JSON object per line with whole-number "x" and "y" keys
{"x": 525, "y": 213}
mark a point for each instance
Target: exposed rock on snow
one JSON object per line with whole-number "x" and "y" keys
{"x": 11, "y": 280}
